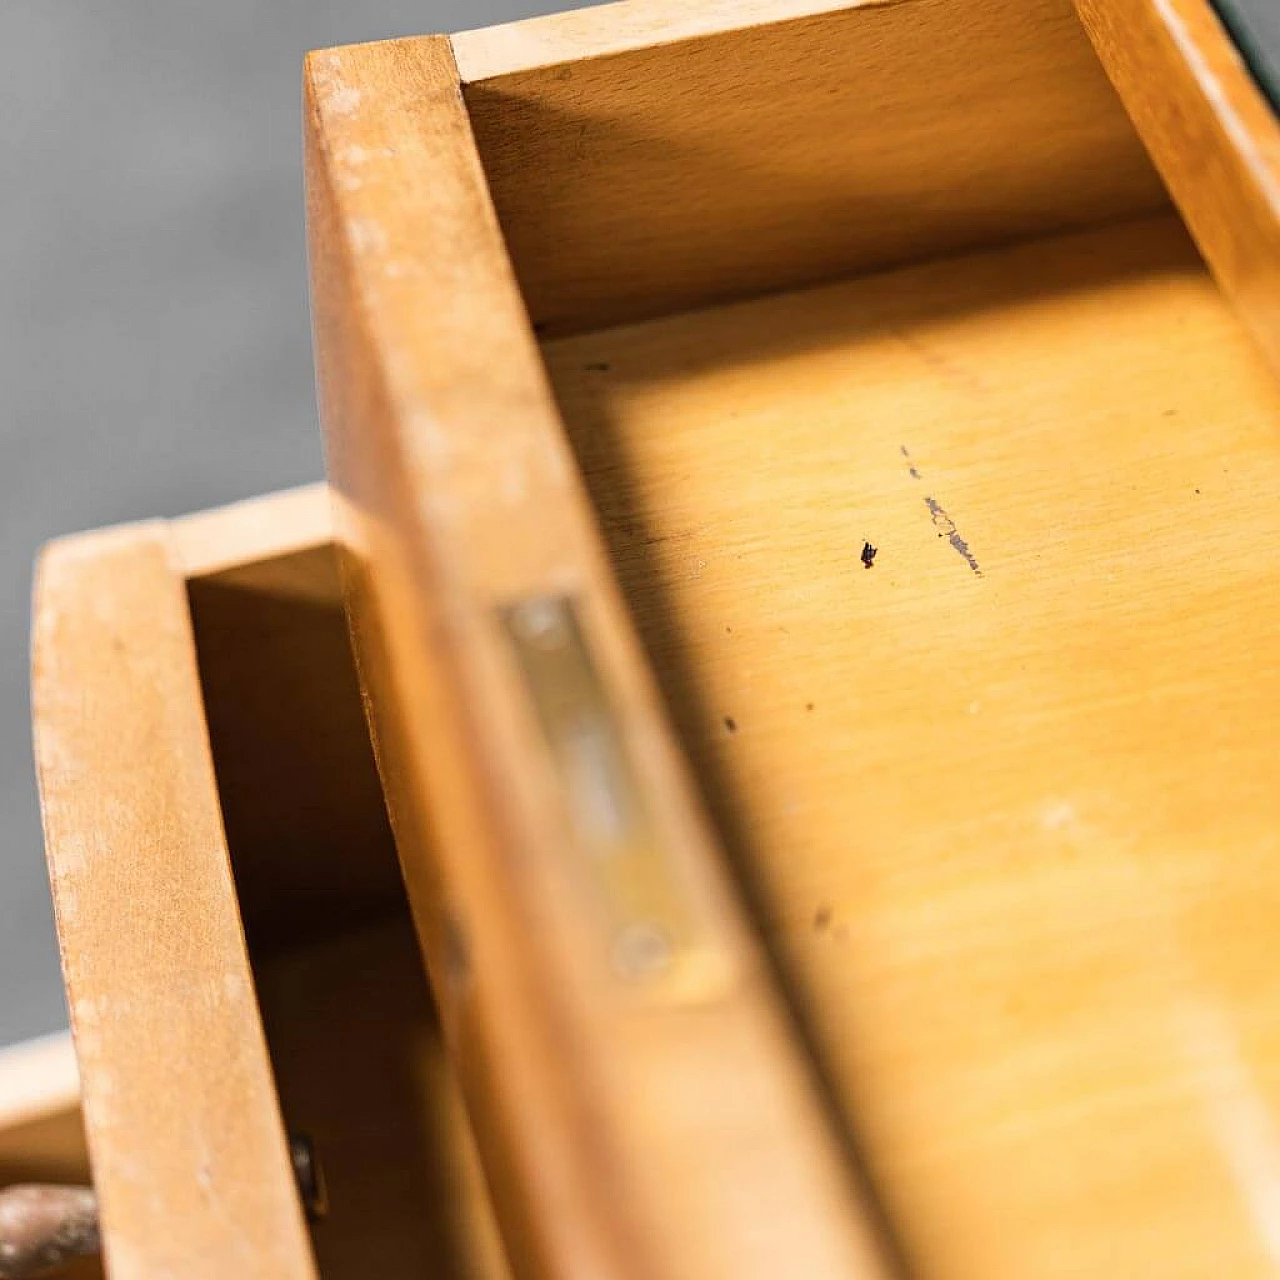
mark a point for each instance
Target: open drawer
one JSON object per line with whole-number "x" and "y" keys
{"x": 235, "y": 937}
{"x": 841, "y": 379}
{"x": 802, "y": 504}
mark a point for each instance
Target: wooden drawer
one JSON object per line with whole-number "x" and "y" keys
{"x": 801, "y": 501}
{"x": 236, "y": 942}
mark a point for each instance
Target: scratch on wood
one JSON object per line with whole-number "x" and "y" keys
{"x": 944, "y": 524}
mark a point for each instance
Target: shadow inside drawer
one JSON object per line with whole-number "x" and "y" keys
{"x": 352, "y": 1032}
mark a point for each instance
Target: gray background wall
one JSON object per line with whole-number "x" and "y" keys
{"x": 154, "y": 345}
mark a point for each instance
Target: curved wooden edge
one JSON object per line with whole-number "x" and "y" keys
{"x": 1212, "y": 135}
{"x": 184, "y": 1129}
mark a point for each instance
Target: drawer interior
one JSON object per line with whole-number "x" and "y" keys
{"x": 351, "y": 1029}
{"x": 1004, "y": 802}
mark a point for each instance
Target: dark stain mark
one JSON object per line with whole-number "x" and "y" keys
{"x": 946, "y": 529}
{"x": 731, "y": 724}
{"x": 728, "y": 631}
{"x": 868, "y": 555}
{"x": 915, "y": 475}
{"x": 598, "y": 366}
{"x": 1197, "y": 490}
{"x": 822, "y": 918}
{"x": 902, "y": 448}
{"x": 1169, "y": 413}
{"x": 808, "y": 706}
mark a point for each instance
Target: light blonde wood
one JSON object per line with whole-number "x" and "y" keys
{"x": 605, "y": 30}
{"x": 41, "y": 1133}
{"x": 623, "y": 1135}
{"x": 188, "y": 1149}
{"x": 253, "y": 543}
{"x": 1015, "y": 836}
{"x": 1213, "y": 135}
{"x": 698, "y": 163}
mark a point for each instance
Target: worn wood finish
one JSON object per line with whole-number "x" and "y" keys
{"x": 1014, "y": 836}
{"x": 1213, "y": 135}
{"x": 724, "y": 154}
{"x": 188, "y": 1148}
{"x": 457, "y": 494}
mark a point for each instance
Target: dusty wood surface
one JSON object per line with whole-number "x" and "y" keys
{"x": 188, "y": 1150}
{"x": 1014, "y": 834}
{"x": 1211, "y": 132}
{"x": 636, "y": 1137}
{"x": 693, "y": 165}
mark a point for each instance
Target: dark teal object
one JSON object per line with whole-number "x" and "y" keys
{"x": 1255, "y": 27}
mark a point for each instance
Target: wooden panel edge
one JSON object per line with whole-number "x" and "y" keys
{"x": 37, "y": 1078}
{"x": 217, "y": 541}
{"x": 491, "y": 53}
{"x": 616, "y": 1149}
{"x": 522, "y": 1119}
{"x": 183, "y": 1125}
{"x": 1212, "y": 135}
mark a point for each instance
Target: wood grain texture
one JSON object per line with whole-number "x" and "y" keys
{"x": 695, "y": 165}
{"x": 1014, "y": 834}
{"x": 621, "y": 1136}
{"x": 1212, "y": 134}
{"x": 187, "y": 1144}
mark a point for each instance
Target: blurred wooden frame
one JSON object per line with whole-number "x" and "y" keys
{"x": 41, "y": 1128}
{"x": 41, "y": 1133}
